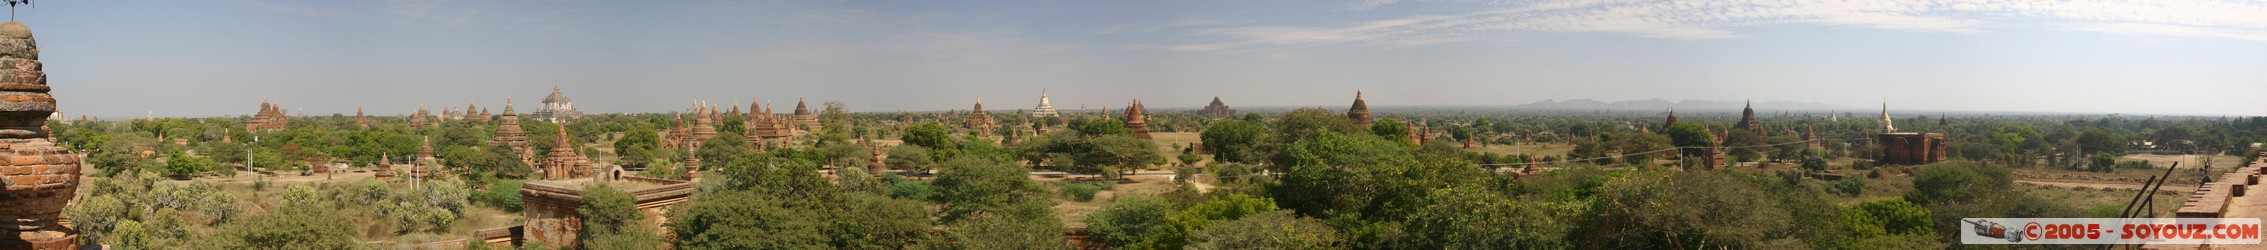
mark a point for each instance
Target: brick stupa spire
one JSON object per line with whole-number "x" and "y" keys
{"x": 1360, "y": 112}
{"x": 704, "y": 127}
{"x": 1137, "y": 119}
{"x": 563, "y": 162}
{"x": 510, "y": 135}
{"x": 41, "y": 178}
{"x": 805, "y": 118}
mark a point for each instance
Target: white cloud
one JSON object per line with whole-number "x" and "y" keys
{"x": 2144, "y": 29}
{"x": 2244, "y": 20}
{"x": 546, "y": 22}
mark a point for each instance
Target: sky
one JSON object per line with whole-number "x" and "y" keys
{"x": 122, "y": 59}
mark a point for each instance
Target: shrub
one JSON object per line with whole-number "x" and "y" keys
{"x": 918, "y": 190}
{"x": 1279, "y": 229}
{"x": 1849, "y": 186}
{"x": 504, "y": 194}
{"x": 1081, "y": 191}
{"x": 1130, "y": 221}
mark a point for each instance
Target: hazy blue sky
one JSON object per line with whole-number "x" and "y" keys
{"x": 205, "y": 58}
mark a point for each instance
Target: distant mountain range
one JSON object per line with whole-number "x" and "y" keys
{"x": 1660, "y": 104}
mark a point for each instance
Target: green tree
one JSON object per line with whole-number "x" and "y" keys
{"x": 1304, "y": 123}
{"x": 1956, "y": 183}
{"x": 305, "y": 225}
{"x": 1814, "y": 163}
{"x": 1363, "y": 176}
{"x": 1236, "y": 141}
{"x": 929, "y": 135}
{"x": 1273, "y": 230}
{"x": 637, "y": 147}
{"x": 184, "y": 165}
{"x": 747, "y": 220}
{"x": 2099, "y": 141}
{"x": 611, "y": 220}
{"x": 2101, "y": 163}
{"x": 1000, "y": 231}
{"x": 1100, "y": 127}
{"x": 1641, "y": 149}
{"x": 1197, "y": 218}
{"x": 875, "y": 222}
{"x": 1113, "y": 155}
{"x": 1474, "y": 218}
{"x": 910, "y": 158}
{"x": 969, "y": 187}
{"x": 1889, "y": 217}
{"x": 1390, "y": 129}
{"x": 1692, "y": 139}
{"x": 1744, "y": 146}
{"x": 1128, "y": 222}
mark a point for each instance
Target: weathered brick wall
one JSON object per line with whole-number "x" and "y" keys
{"x": 37, "y": 178}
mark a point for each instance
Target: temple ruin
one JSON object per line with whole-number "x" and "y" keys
{"x": 549, "y": 207}
{"x": 980, "y": 121}
{"x": 418, "y": 120}
{"x": 359, "y": 119}
{"x": 1748, "y": 121}
{"x": 1360, "y": 113}
{"x": 270, "y": 118}
{"x": 1217, "y": 109}
{"x": 1910, "y": 148}
{"x": 564, "y": 162}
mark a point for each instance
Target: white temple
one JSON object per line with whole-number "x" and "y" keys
{"x": 556, "y": 107}
{"x": 1045, "y": 109}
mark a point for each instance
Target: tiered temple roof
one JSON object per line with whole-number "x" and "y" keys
{"x": 509, "y": 134}
{"x": 692, "y": 164}
{"x": 1217, "y": 109}
{"x": 805, "y": 119}
{"x": 755, "y": 126}
{"x": 1748, "y": 121}
{"x": 425, "y": 159}
{"x": 359, "y": 118}
{"x": 768, "y": 125}
{"x": 1887, "y": 125}
{"x": 1137, "y": 119}
{"x": 556, "y": 107}
{"x": 270, "y": 118}
{"x": 472, "y": 113}
{"x": 564, "y": 162}
{"x": 980, "y": 121}
{"x": 418, "y": 120}
{"x": 704, "y": 127}
{"x": 875, "y": 168}
{"x": 41, "y": 178}
{"x": 1360, "y": 112}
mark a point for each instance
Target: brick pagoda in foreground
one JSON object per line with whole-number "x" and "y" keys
{"x": 550, "y": 206}
{"x": 38, "y": 179}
